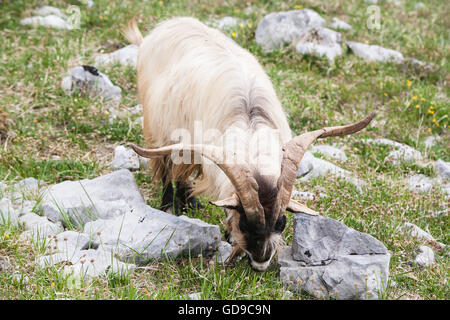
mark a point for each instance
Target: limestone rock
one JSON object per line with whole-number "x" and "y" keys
{"x": 147, "y": 233}
{"x": 374, "y": 52}
{"x": 337, "y": 23}
{"x": 88, "y": 80}
{"x": 425, "y": 258}
{"x": 125, "y": 158}
{"x": 311, "y": 167}
{"x": 126, "y": 56}
{"x": 329, "y": 259}
{"x": 279, "y": 28}
{"x": 76, "y": 202}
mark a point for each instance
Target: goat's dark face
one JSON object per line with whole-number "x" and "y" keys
{"x": 260, "y": 241}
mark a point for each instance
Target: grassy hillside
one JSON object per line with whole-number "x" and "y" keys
{"x": 55, "y": 137}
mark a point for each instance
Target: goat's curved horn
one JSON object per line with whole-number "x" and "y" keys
{"x": 294, "y": 150}
{"x": 240, "y": 175}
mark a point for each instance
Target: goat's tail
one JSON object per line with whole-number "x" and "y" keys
{"x": 132, "y": 33}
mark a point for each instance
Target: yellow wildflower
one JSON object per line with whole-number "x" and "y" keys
{"x": 385, "y": 94}
{"x": 53, "y": 284}
{"x": 430, "y": 111}
{"x": 434, "y": 120}
{"x": 249, "y": 25}
{"x": 241, "y": 25}
{"x": 233, "y": 34}
{"x": 7, "y": 236}
{"x": 408, "y": 83}
{"x": 417, "y": 106}
{"x": 415, "y": 98}
{"x": 429, "y": 130}
{"x": 422, "y": 99}
{"x": 437, "y": 124}
{"x": 298, "y": 6}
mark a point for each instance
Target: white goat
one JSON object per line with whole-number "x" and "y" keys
{"x": 193, "y": 77}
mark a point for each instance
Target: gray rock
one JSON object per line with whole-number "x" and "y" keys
{"x": 321, "y": 42}
{"x": 86, "y": 264}
{"x": 320, "y": 240}
{"x": 47, "y": 21}
{"x": 8, "y": 215}
{"x": 223, "y": 252}
{"x": 88, "y": 80}
{"x": 126, "y": 56}
{"x": 279, "y": 28}
{"x": 431, "y": 141}
{"x": 420, "y": 183}
{"x": 76, "y": 202}
{"x": 302, "y": 195}
{"x": 425, "y": 258}
{"x": 442, "y": 168}
{"x": 419, "y": 5}
{"x": 195, "y": 296}
{"x": 28, "y": 185}
{"x": 311, "y": 167}
{"x": 125, "y": 158}
{"x": 402, "y": 153}
{"x": 375, "y": 53}
{"x": 225, "y": 23}
{"x": 38, "y": 225}
{"x": 147, "y": 233}
{"x": 337, "y": 23}
{"x": 49, "y": 10}
{"x": 329, "y": 151}
{"x": 329, "y": 259}
{"x": 414, "y": 231}
{"x": 347, "y": 277}
{"x": 68, "y": 243}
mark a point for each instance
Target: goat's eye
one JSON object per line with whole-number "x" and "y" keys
{"x": 280, "y": 224}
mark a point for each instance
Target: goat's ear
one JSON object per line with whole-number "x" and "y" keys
{"x": 297, "y": 207}
{"x": 229, "y": 203}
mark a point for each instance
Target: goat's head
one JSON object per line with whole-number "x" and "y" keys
{"x": 256, "y": 211}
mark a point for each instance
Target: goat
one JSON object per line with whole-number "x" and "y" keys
{"x": 188, "y": 73}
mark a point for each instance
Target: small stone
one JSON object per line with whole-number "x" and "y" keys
{"x": 431, "y": 141}
{"x": 374, "y": 52}
{"x": 125, "y": 158}
{"x": 223, "y": 252}
{"x": 321, "y": 42}
{"x": 280, "y": 28}
{"x": 125, "y": 56}
{"x": 226, "y": 23}
{"x": 195, "y": 296}
{"x": 329, "y": 151}
{"x": 402, "y": 152}
{"x": 311, "y": 167}
{"x": 420, "y": 183}
{"x": 442, "y": 168}
{"x": 8, "y": 215}
{"x": 336, "y": 23}
{"x": 425, "y": 258}
{"x": 47, "y": 21}
{"x": 419, "y": 5}
{"x": 88, "y": 80}
{"x": 49, "y": 10}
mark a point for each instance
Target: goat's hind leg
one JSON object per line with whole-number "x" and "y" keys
{"x": 182, "y": 193}
{"x": 170, "y": 201}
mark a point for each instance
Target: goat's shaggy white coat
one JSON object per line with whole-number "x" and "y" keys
{"x": 189, "y": 72}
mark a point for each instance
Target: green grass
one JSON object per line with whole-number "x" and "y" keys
{"x": 55, "y": 137}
